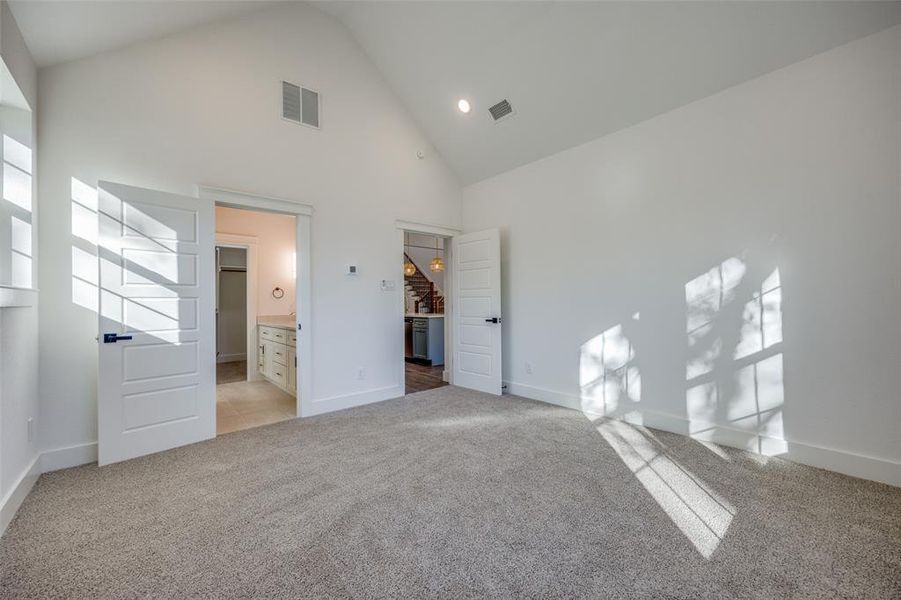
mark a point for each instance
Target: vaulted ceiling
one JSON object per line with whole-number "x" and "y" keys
{"x": 63, "y": 30}
{"x": 573, "y": 71}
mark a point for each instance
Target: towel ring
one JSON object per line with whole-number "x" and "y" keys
{"x": 278, "y": 293}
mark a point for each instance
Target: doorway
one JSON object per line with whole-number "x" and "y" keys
{"x": 256, "y": 372}
{"x": 157, "y": 330}
{"x": 425, "y": 301}
{"x": 231, "y": 314}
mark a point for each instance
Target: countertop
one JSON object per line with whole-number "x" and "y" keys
{"x": 283, "y": 321}
{"x": 425, "y": 315}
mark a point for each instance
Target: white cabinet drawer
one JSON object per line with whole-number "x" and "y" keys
{"x": 292, "y": 338}
{"x": 273, "y": 334}
{"x": 279, "y": 374}
{"x": 279, "y": 353}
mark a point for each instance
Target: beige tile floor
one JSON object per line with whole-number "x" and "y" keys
{"x": 247, "y": 404}
{"x": 231, "y": 372}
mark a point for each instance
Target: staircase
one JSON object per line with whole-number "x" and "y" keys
{"x": 422, "y": 291}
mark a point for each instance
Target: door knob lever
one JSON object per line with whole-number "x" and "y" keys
{"x": 112, "y": 338}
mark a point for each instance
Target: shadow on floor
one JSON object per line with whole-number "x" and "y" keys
{"x": 453, "y": 493}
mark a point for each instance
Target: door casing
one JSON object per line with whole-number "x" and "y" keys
{"x": 442, "y": 232}
{"x": 303, "y": 297}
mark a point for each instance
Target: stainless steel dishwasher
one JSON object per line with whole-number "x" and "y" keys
{"x": 421, "y": 338}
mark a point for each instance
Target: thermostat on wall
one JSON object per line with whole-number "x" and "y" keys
{"x": 351, "y": 269}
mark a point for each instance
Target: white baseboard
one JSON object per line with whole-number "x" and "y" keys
{"x": 849, "y": 463}
{"x": 840, "y": 461}
{"x": 333, "y": 403}
{"x": 11, "y": 502}
{"x": 71, "y": 456}
{"x": 225, "y": 358}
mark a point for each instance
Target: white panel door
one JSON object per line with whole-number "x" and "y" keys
{"x": 157, "y": 377}
{"x": 477, "y": 311}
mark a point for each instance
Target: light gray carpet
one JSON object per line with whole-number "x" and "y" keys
{"x": 450, "y": 493}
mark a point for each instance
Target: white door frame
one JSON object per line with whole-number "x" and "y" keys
{"x": 443, "y": 232}
{"x": 249, "y": 243}
{"x": 303, "y": 298}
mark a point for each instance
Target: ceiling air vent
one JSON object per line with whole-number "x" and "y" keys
{"x": 300, "y": 104}
{"x": 501, "y": 110}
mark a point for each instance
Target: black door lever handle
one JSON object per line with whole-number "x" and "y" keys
{"x": 493, "y": 320}
{"x": 112, "y": 338}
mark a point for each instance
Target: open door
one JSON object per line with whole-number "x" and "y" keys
{"x": 477, "y": 311}
{"x": 157, "y": 372}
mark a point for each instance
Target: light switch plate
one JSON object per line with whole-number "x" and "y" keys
{"x": 387, "y": 285}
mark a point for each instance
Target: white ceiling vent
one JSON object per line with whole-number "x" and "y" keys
{"x": 300, "y": 104}
{"x": 501, "y": 110}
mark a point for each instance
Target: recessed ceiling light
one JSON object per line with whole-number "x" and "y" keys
{"x": 463, "y": 105}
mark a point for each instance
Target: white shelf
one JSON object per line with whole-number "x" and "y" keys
{"x": 16, "y": 296}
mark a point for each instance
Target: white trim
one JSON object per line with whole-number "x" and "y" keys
{"x": 71, "y": 456}
{"x": 13, "y": 499}
{"x": 227, "y": 358}
{"x": 236, "y": 199}
{"x": 439, "y": 230}
{"x": 446, "y": 233}
{"x": 343, "y": 401}
{"x": 17, "y": 296}
{"x": 303, "y": 308}
{"x": 249, "y": 242}
{"x": 304, "y": 286}
{"x": 840, "y": 461}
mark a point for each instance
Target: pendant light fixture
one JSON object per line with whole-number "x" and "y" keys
{"x": 409, "y": 267}
{"x": 437, "y": 264}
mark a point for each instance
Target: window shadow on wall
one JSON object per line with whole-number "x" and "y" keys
{"x": 160, "y": 315}
{"x": 733, "y": 362}
{"x": 733, "y": 389}
{"x": 734, "y": 370}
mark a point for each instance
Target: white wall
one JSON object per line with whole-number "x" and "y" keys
{"x": 19, "y": 458}
{"x": 275, "y": 246}
{"x": 606, "y": 247}
{"x": 203, "y": 107}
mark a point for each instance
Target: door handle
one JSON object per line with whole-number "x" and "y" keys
{"x": 493, "y": 320}
{"x": 112, "y": 338}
